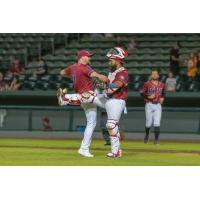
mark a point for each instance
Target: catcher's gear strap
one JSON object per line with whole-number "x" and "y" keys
{"x": 72, "y": 99}
{"x": 112, "y": 126}
{"x": 88, "y": 97}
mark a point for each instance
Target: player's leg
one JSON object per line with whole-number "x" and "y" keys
{"x": 94, "y": 98}
{"x": 106, "y": 136}
{"x": 149, "y": 120}
{"x": 65, "y": 99}
{"x": 91, "y": 116}
{"x": 157, "y": 119}
{"x": 114, "y": 109}
{"x": 77, "y": 99}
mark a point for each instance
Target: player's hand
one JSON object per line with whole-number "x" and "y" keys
{"x": 161, "y": 100}
{"x": 100, "y": 86}
{"x": 103, "y": 78}
{"x": 152, "y": 96}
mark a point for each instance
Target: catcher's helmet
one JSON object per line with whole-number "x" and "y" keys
{"x": 117, "y": 53}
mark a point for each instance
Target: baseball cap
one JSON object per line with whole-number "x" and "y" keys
{"x": 83, "y": 53}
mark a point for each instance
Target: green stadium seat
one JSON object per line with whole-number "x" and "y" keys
{"x": 62, "y": 51}
{"x": 133, "y": 71}
{"x": 32, "y": 65}
{"x": 50, "y": 64}
{"x": 49, "y": 57}
{"x": 60, "y": 64}
{"x": 61, "y": 58}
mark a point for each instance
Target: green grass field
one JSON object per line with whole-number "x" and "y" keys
{"x": 35, "y": 152}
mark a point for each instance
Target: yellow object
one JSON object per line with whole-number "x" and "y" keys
{"x": 192, "y": 69}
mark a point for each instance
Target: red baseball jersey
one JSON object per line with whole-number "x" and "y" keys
{"x": 80, "y": 75}
{"x": 120, "y": 74}
{"x": 149, "y": 88}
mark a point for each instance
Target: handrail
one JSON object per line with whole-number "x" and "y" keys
{"x": 30, "y": 107}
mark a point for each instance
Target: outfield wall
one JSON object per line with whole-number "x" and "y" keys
{"x": 174, "y": 120}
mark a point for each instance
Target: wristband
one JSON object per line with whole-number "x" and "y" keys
{"x": 112, "y": 85}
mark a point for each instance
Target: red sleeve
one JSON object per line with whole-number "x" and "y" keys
{"x": 87, "y": 70}
{"x": 163, "y": 91}
{"x": 122, "y": 77}
{"x": 67, "y": 70}
{"x": 144, "y": 89}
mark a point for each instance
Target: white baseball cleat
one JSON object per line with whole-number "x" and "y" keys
{"x": 113, "y": 155}
{"x": 60, "y": 93}
{"x": 85, "y": 153}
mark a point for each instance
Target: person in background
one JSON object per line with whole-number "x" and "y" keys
{"x": 170, "y": 83}
{"x": 14, "y": 85}
{"x": 3, "y": 85}
{"x": 46, "y": 124}
{"x": 16, "y": 67}
{"x": 3, "y": 112}
{"x": 191, "y": 68}
{"x": 105, "y": 133}
{"x": 198, "y": 62}
{"x": 132, "y": 44}
{"x": 119, "y": 43}
{"x": 174, "y": 59}
{"x": 42, "y": 68}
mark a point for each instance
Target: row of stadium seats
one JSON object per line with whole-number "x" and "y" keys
{"x": 100, "y": 57}
{"x": 136, "y": 51}
{"x": 54, "y": 81}
{"x": 147, "y": 37}
{"x": 28, "y": 46}
{"x": 104, "y": 64}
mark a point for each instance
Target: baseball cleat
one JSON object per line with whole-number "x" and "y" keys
{"x": 146, "y": 139}
{"x": 156, "y": 142}
{"x": 60, "y": 93}
{"x": 113, "y": 155}
{"x": 85, "y": 153}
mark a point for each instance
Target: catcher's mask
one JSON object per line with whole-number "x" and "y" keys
{"x": 117, "y": 53}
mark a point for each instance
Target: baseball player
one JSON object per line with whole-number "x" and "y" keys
{"x": 81, "y": 74}
{"x": 114, "y": 99}
{"x": 153, "y": 92}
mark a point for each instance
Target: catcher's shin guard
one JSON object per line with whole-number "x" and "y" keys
{"x": 112, "y": 126}
{"x": 88, "y": 97}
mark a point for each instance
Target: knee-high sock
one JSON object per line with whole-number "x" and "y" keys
{"x": 157, "y": 132}
{"x": 147, "y": 130}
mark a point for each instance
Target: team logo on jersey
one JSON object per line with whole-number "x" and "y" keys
{"x": 122, "y": 78}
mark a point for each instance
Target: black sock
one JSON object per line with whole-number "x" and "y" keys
{"x": 157, "y": 132}
{"x": 147, "y": 130}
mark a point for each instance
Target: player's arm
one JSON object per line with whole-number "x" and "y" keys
{"x": 121, "y": 80}
{"x": 163, "y": 95}
{"x": 65, "y": 73}
{"x": 143, "y": 91}
{"x": 101, "y": 77}
{"x": 174, "y": 58}
{"x": 116, "y": 84}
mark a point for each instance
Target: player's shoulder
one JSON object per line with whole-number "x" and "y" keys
{"x": 123, "y": 71}
{"x": 161, "y": 84}
{"x": 73, "y": 65}
{"x": 147, "y": 83}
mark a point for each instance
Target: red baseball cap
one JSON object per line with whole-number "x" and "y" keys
{"x": 83, "y": 53}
